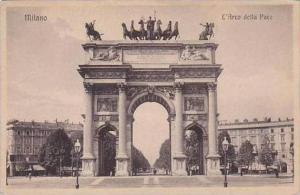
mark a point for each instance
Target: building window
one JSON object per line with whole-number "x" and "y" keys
{"x": 272, "y": 137}
{"x": 282, "y": 130}
{"x": 283, "y": 156}
{"x": 292, "y": 129}
{"x": 282, "y": 138}
{"x": 233, "y": 141}
{"x": 243, "y": 139}
{"x": 272, "y": 146}
{"x": 19, "y": 133}
{"x": 292, "y": 137}
{"x": 27, "y": 132}
{"x": 283, "y": 147}
{"x": 272, "y": 130}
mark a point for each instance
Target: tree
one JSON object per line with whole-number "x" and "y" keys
{"x": 266, "y": 156}
{"x": 139, "y": 161}
{"x": 56, "y": 151}
{"x": 164, "y": 159}
{"x": 192, "y": 149}
{"x": 246, "y": 156}
{"x": 231, "y": 157}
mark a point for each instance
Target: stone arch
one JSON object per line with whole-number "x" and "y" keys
{"x": 151, "y": 97}
{"x": 195, "y": 125}
{"x": 105, "y": 127}
{"x": 105, "y": 163}
{"x": 202, "y": 137}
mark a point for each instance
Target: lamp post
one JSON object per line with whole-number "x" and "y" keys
{"x": 77, "y": 148}
{"x": 225, "y": 145}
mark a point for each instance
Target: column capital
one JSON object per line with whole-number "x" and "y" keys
{"x": 88, "y": 87}
{"x": 211, "y": 86}
{"x": 178, "y": 85}
{"x": 122, "y": 86}
{"x": 171, "y": 117}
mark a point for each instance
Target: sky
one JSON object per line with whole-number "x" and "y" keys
{"x": 43, "y": 58}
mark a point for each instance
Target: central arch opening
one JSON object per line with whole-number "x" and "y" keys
{"x": 151, "y": 137}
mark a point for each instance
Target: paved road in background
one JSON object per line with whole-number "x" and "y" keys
{"x": 147, "y": 181}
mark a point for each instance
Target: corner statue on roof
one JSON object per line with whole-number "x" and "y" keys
{"x": 208, "y": 31}
{"x": 90, "y": 31}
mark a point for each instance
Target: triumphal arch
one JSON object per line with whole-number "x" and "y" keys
{"x": 118, "y": 76}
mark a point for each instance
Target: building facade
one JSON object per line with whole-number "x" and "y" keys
{"x": 280, "y": 134}
{"x": 26, "y": 138}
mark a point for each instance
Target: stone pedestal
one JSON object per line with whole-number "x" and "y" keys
{"x": 213, "y": 165}
{"x": 122, "y": 166}
{"x": 88, "y": 166}
{"x": 179, "y": 165}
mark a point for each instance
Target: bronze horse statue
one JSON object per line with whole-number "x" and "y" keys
{"x": 90, "y": 31}
{"x": 158, "y": 32}
{"x": 208, "y": 31}
{"x": 126, "y": 32}
{"x": 175, "y": 32}
{"x": 166, "y": 33}
{"x": 134, "y": 33}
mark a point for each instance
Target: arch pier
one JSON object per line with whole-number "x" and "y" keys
{"x": 179, "y": 75}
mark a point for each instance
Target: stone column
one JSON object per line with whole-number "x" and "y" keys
{"x": 179, "y": 156}
{"x": 213, "y": 159}
{"x": 88, "y": 159}
{"x": 122, "y": 157}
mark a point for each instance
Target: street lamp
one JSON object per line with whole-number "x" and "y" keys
{"x": 225, "y": 145}
{"x": 77, "y": 148}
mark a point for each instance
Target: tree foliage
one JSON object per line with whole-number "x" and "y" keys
{"x": 231, "y": 157}
{"x": 57, "y": 148}
{"x": 139, "y": 160}
{"x": 246, "y": 156}
{"x": 164, "y": 159}
{"x": 266, "y": 156}
{"x": 192, "y": 149}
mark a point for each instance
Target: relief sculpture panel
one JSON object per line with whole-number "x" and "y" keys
{"x": 194, "y": 104}
{"x": 107, "y": 104}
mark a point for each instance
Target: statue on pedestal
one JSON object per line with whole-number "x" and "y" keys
{"x": 90, "y": 31}
{"x": 208, "y": 31}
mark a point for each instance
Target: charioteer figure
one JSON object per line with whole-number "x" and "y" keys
{"x": 150, "y": 28}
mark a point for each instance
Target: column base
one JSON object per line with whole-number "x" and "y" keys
{"x": 213, "y": 165}
{"x": 88, "y": 166}
{"x": 122, "y": 165}
{"x": 179, "y": 168}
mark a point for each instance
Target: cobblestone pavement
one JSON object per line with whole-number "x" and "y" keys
{"x": 147, "y": 181}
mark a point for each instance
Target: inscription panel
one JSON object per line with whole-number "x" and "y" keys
{"x": 148, "y": 55}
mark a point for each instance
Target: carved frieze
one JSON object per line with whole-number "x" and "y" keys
{"x": 194, "y": 104}
{"x": 193, "y": 54}
{"x": 150, "y": 76}
{"x": 107, "y": 104}
{"x": 195, "y": 73}
{"x": 194, "y": 89}
{"x": 100, "y": 118}
{"x": 168, "y": 91}
{"x": 105, "y": 75}
{"x": 106, "y": 90}
{"x": 194, "y": 117}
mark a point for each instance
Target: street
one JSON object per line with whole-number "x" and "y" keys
{"x": 147, "y": 181}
